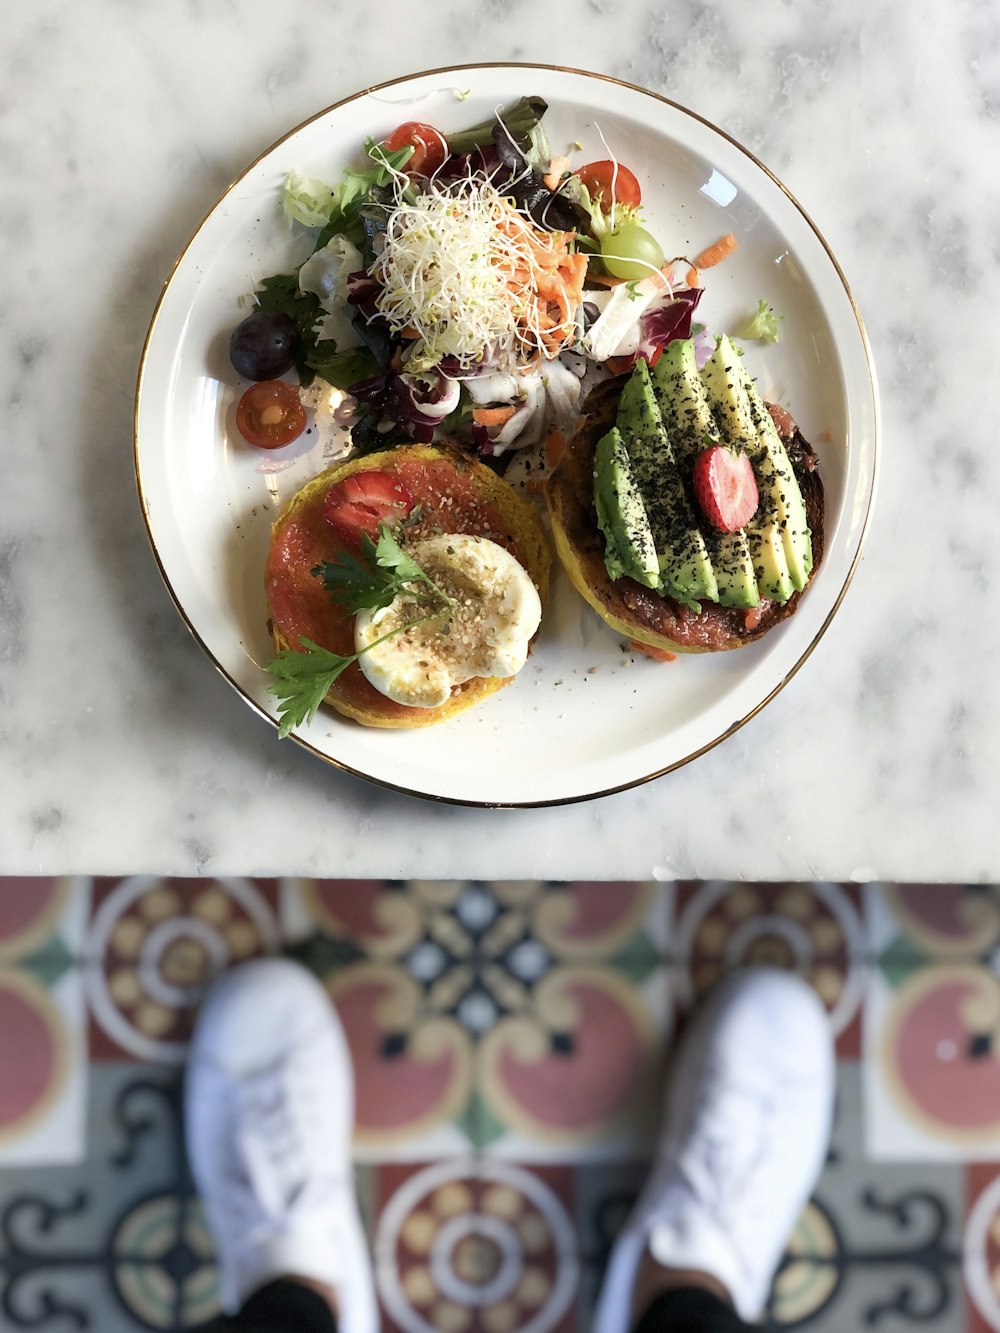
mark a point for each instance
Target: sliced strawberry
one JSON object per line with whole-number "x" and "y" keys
{"x": 361, "y": 502}
{"x": 725, "y": 488}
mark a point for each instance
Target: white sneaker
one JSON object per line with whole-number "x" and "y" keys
{"x": 745, "y": 1135}
{"x": 269, "y": 1106}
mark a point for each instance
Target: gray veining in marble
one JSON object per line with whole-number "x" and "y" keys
{"x": 122, "y": 749}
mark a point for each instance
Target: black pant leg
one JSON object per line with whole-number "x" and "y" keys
{"x": 284, "y": 1307}
{"x": 690, "y": 1310}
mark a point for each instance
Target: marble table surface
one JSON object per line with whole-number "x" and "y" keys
{"x": 122, "y": 749}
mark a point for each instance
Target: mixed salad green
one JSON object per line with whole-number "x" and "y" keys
{"x": 461, "y": 284}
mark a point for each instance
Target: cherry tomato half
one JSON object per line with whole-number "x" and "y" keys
{"x": 270, "y": 414}
{"x": 361, "y": 502}
{"x": 601, "y": 178}
{"x": 430, "y": 148}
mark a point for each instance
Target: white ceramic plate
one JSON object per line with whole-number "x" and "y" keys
{"x": 584, "y": 718}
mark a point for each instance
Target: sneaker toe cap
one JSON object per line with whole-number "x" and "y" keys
{"x": 256, "y": 1013}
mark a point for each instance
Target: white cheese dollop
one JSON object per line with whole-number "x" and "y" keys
{"x": 487, "y": 632}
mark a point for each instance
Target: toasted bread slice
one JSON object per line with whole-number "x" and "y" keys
{"x": 631, "y": 610}
{"x": 455, "y": 494}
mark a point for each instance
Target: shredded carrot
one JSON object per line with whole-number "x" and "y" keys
{"x": 692, "y": 278}
{"x": 557, "y": 169}
{"x": 657, "y": 654}
{"x": 716, "y": 253}
{"x": 555, "y": 447}
{"x": 549, "y": 282}
{"x": 492, "y": 416}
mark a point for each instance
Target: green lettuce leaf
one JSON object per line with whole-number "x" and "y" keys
{"x": 764, "y": 326}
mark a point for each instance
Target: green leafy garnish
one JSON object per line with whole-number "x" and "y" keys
{"x": 764, "y": 326}
{"x": 307, "y": 200}
{"x": 460, "y": 418}
{"x": 302, "y": 678}
{"x": 341, "y": 369}
{"x": 301, "y": 681}
{"x": 314, "y": 203}
{"x": 376, "y": 579}
{"x": 519, "y": 119}
{"x": 315, "y": 355}
{"x": 359, "y": 188}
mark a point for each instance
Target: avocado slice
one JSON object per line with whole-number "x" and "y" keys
{"x": 779, "y": 537}
{"x": 687, "y": 415}
{"x": 795, "y": 532}
{"x": 686, "y": 571}
{"x": 621, "y": 514}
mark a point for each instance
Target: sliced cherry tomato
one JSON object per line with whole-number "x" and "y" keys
{"x": 430, "y": 148}
{"x": 361, "y": 502}
{"x": 601, "y": 178}
{"x": 270, "y": 414}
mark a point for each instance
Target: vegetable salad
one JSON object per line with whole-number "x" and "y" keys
{"x": 463, "y": 285}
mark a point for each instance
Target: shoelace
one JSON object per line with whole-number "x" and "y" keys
{"x": 722, "y": 1158}
{"x": 278, "y": 1124}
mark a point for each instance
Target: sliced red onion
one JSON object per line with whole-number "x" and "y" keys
{"x": 362, "y": 288}
{"x": 704, "y": 346}
{"x": 431, "y": 398}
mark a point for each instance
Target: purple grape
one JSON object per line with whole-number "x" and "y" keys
{"x": 264, "y": 345}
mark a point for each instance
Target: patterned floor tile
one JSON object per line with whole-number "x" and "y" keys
{"x": 43, "y": 1064}
{"x": 43, "y": 917}
{"x": 153, "y": 946}
{"x": 981, "y": 1247}
{"x": 43, "y": 1051}
{"x": 816, "y": 930}
{"x": 880, "y": 1245}
{"x": 932, "y": 921}
{"x": 520, "y": 1016}
{"x": 115, "y": 1243}
{"x": 475, "y": 1244}
{"x": 932, "y": 1020}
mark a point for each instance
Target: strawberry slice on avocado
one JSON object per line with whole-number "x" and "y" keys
{"x": 725, "y": 488}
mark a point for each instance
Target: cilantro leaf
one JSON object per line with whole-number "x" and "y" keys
{"x": 301, "y": 681}
{"x": 374, "y": 581}
{"x": 390, "y": 555}
{"x": 358, "y": 585}
{"x": 302, "y": 678}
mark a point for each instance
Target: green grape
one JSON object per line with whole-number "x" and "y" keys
{"x": 631, "y": 253}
